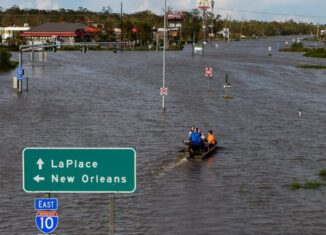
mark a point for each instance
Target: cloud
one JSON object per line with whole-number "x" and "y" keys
{"x": 47, "y": 4}
{"x": 144, "y": 6}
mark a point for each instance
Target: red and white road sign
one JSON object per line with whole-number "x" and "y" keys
{"x": 209, "y": 72}
{"x": 164, "y": 91}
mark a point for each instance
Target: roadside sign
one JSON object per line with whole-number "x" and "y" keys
{"x": 46, "y": 204}
{"x": 20, "y": 72}
{"x": 209, "y": 72}
{"x": 164, "y": 91}
{"x": 47, "y": 221}
{"x": 79, "y": 170}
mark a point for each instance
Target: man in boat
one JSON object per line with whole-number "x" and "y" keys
{"x": 190, "y": 132}
{"x": 211, "y": 139}
{"x": 195, "y": 143}
{"x": 202, "y": 139}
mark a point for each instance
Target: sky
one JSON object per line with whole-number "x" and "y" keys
{"x": 280, "y": 10}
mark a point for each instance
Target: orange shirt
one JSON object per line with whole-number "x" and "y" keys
{"x": 211, "y": 139}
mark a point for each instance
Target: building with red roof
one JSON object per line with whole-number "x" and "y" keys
{"x": 65, "y": 32}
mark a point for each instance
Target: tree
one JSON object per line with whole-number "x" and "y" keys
{"x": 82, "y": 9}
{"x": 107, "y": 10}
{"x": 4, "y": 58}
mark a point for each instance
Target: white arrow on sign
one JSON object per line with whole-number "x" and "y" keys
{"x": 40, "y": 163}
{"x": 38, "y": 178}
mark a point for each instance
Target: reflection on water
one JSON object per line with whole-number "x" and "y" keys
{"x": 101, "y": 99}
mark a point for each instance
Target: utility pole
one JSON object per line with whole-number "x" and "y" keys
{"x": 241, "y": 28}
{"x": 203, "y": 5}
{"x": 121, "y": 36}
{"x": 212, "y": 24}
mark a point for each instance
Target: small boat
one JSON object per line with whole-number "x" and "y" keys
{"x": 199, "y": 154}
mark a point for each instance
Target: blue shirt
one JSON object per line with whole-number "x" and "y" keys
{"x": 195, "y": 138}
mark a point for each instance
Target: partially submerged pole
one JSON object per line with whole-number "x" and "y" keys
{"x": 164, "y": 49}
{"x": 121, "y": 36}
{"x": 193, "y": 44}
{"x": 157, "y": 42}
{"x": 112, "y": 226}
{"x": 226, "y": 86}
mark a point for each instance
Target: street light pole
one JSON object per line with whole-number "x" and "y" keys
{"x": 203, "y": 5}
{"x": 164, "y": 49}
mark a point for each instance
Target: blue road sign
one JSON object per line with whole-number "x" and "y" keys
{"x": 46, "y": 204}
{"x": 47, "y": 221}
{"x": 20, "y": 72}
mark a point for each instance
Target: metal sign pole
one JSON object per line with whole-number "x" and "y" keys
{"x": 20, "y": 58}
{"x": 121, "y": 36}
{"x": 193, "y": 43}
{"x": 112, "y": 226}
{"x": 164, "y": 49}
{"x": 157, "y": 42}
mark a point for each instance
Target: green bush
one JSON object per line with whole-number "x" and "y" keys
{"x": 5, "y": 56}
{"x": 296, "y": 45}
{"x": 312, "y": 185}
{"x": 5, "y": 62}
{"x": 317, "y": 53}
{"x": 312, "y": 66}
{"x": 295, "y": 186}
{"x": 322, "y": 173}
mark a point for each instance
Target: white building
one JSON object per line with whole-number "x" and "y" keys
{"x": 11, "y": 31}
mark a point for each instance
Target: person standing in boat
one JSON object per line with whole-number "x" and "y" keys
{"x": 211, "y": 139}
{"x": 190, "y": 132}
{"x": 195, "y": 143}
{"x": 202, "y": 139}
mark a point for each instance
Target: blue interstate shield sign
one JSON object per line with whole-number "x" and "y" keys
{"x": 46, "y": 221}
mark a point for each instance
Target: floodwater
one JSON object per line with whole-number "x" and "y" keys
{"x": 102, "y": 99}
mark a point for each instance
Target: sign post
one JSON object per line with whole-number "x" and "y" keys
{"x": 76, "y": 170}
{"x": 164, "y": 91}
{"x": 46, "y": 204}
{"x": 208, "y": 74}
{"x": 269, "y": 51}
{"x": 47, "y": 221}
{"x": 226, "y": 86}
{"x": 20, "y": 74}
{"x": 79, "y": 170}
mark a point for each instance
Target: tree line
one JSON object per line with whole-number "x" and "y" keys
{"x": 146, "y": 22}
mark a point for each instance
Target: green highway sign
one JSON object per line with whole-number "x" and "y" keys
{"x": 79, "y": 170}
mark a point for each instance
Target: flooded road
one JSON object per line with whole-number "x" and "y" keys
{"x": 102, "y": 99}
